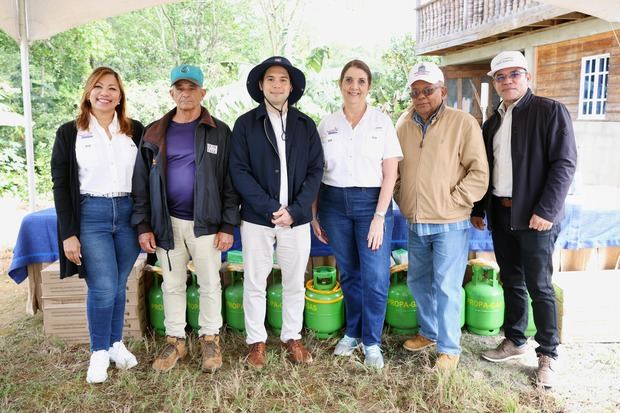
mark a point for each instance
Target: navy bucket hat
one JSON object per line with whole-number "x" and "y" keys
{"x": 297, "y": 77}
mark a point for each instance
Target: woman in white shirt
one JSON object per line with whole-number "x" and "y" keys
{"x": 354, "y": 208}
{"x": 92, "y": 167}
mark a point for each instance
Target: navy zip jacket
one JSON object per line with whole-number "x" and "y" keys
{"x": 216, "y": 204}
{"x": 544, "y": 158}
{"x": 255, "y": 166}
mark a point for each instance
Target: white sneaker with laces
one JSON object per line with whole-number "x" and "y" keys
{"x": 373, "y": 356}
{"x": 98, "y": 367}
{"x": 121, "y": 356}
{"x": 346, "y": 346}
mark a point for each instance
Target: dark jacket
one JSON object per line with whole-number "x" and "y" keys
{"x": 255, "y": 166}
{"x": 544, "y": 158}
{"x": 216, "y": 204}
{"x": 66, "y": 188}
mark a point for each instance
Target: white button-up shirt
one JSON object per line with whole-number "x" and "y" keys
{"x": 501, "y": 177}
{"x": 105, "y": 165}
{"x": 354, "y": 156}
{"x": 274, "y": 118}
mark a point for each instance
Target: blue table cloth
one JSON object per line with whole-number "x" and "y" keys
{"x": 592, "y": 221}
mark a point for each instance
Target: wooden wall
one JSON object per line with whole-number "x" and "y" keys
{"x": 558, "y": 71}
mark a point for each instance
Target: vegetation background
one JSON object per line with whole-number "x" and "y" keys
{"x": 226, "y": 38}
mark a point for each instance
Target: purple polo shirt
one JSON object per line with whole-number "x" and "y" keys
{"x": 181, "y": 169}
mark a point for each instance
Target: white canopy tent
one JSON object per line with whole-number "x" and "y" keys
{"x": 28, "y": 20}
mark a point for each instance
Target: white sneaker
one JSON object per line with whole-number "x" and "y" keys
{"x": 373, "y": 356}
{"x": 98, "y": 367}
{"x": 346, "y": 346}
{"x": 121, "y": 356}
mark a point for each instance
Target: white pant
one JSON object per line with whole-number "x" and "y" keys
{"x": 207, "y": 260}
{"x": 292, "y": 252}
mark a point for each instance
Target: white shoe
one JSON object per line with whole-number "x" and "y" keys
{"x": 346, "y": 346}
{"x": 373, "y": 357}
{"x": 98, "y": 367}
{"x": 121, "y": 356}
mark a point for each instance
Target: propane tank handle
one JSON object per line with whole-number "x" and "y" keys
{"x": 320, "y": 274}
{"x": 194, "y": 282}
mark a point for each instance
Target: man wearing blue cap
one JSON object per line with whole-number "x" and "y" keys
{"x": 276, "y": 165}
{"x": 185, "y": 205}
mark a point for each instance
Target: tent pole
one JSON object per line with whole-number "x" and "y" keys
{"x": 25, "y": 63}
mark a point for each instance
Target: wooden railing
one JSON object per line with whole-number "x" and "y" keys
{"x": 439, "y": 21}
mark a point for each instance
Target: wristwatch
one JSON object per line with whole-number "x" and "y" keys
{"x": 380, "y": 214}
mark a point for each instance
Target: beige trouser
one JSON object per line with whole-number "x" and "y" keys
{"x": 207, "y": 260}
{"x": 292, "y": 252}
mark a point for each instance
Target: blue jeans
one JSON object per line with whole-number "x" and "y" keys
{"x": 345, "y": 214}
{"x": 435, "y": 276}
{"x": 109, "y": 250}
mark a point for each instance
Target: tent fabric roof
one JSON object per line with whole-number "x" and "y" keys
{"x": 49, "y": 17}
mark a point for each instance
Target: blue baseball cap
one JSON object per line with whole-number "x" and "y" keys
{"x": 187, "y": 72}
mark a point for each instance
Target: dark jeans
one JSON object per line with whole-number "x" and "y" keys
{"x": 525, "y": 262}
{"x": 109, "y": 251}
{"x": 345, "y": 214}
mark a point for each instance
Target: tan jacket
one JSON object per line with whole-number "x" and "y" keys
{"x": 440, "y": 178}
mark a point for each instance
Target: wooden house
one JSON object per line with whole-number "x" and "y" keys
{"x": 573, "y": 58}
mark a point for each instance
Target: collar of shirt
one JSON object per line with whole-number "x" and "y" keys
{"x": 418, "y": 119}
{"x": 114, "y": 126}
{"x": 502, "y": 109}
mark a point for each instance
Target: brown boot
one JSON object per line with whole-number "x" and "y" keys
{"x": 257, "y": 356}
{"x": 296, "y": 352}
{"x": 172, "y": 352}
{"x": 446, "y": 362}
{"x": 417, "y": 343}
{"x": 211, "y": 353}
{"x": 506, "y": 350}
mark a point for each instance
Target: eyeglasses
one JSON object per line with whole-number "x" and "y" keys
{"x": 514, "y": 75}
{"x": 427, "y": 91}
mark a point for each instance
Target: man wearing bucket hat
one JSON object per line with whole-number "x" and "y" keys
{"x": 185, "y": 205}
{"x": 532, "y": 155}
{"x": 276, "y": 165}
{"x": 443, "y": 172}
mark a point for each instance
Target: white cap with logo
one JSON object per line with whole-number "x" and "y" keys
{"x": 507, "y": 59}
{"x": 425, "y": 71}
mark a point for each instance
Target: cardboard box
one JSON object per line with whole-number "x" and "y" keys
{"x": 588, "y": 306}
{"x": 64, "y": 303}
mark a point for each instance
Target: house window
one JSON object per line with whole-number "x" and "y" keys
{"x": 593, "y": 91}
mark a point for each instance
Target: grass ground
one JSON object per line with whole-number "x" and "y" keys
{"x": 43, "y": 374}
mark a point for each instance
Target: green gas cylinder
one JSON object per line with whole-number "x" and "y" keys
{"x": 156, "y": 303}
{"x": 274, "y": 302}
{"x": 530, "y": 331}
{"x": 324, "y": 309}
{"x": 193, "y": 302}
{"x": 401, "y": 311}
{"x": 234, "y": 302}
{"x": 484, "y": 309}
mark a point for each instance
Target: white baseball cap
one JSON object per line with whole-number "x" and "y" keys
{"x": 426, "y": 71}
{"x": 507, "y": 59}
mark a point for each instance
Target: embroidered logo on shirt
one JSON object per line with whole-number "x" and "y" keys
{"x": 332, "y": 131}
{"x": 212, "y": 148}
{"x": 86, "y": 135}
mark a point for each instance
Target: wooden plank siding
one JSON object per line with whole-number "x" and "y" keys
{"x": 558, "y": 71}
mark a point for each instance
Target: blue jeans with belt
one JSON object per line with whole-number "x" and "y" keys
{"x": 346, "y": 214}
{"x": 109, "y": 247}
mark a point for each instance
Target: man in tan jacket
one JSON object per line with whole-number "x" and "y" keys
{"x": 443, "y": 172}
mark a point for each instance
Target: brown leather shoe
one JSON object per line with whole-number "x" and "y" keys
{"x": 257, "y": 357}
{"x": 506, "y": 350}
{"x": 211, "y": 353}
{"x": 545, "y": 374}
{"x": 296, "y": 352}
{"x": 418, "y": 343}
{"x": 446, "y": 362}
{"x": 171, "y": 353}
